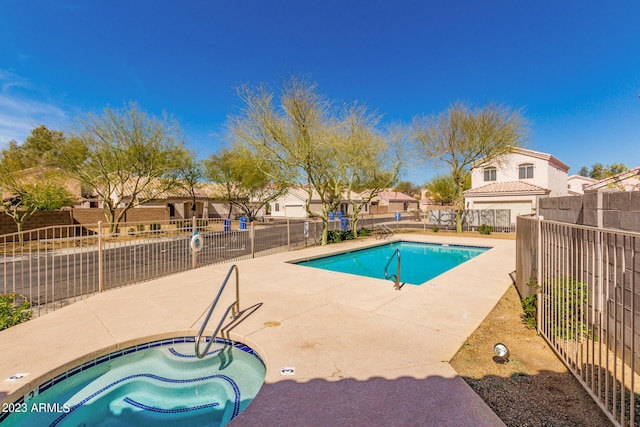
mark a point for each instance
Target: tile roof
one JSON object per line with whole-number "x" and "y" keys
{"x": 511, "y": 187}
{"x": 395, "y": 196}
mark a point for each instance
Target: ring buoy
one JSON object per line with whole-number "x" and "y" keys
{"x": 196, "y": 242}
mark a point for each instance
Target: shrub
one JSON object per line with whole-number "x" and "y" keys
{"x": 14, "y": 309}
{"x": 568, "y": 300}
{"x": 364, "y": 232}
{"x": 435, "y": 229}
{"x": 485, "y": 229}
{"x": 529, "y": 306}
{"x": 337, "y": 236}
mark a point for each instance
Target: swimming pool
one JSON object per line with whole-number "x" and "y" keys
{"x": 161, "y": 383}
{"x": 420, "y": 262}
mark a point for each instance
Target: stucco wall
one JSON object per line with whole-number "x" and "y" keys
{"x": 619, "y": 210}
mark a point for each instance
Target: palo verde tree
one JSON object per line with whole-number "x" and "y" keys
{"x": 27, "y": 183}
{"x": 126, "y": 157}
{"x": 372, "y": 159}
{"x": 464, "y": 137}
{"x": 598, "y": 171}
{"x": 245, "y": 178}
{"x": 442, "y": 189}
{"x": 296, "y": 133}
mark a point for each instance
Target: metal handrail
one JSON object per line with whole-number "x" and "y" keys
{"x": 395, "y": 277}
{"x": 235, "y": 306}
{"x": 385, "y": 231}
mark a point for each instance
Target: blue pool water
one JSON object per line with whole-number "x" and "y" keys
{"x": 420, "y": 262}
{"x": 159, "y": 383}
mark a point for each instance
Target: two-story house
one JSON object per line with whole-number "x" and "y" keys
{"x": 516, "y": 181}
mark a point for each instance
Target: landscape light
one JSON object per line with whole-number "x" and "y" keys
{"x": 501, "y": 353}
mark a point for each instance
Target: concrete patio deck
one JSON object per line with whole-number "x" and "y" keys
{"x": 363, "y": 353}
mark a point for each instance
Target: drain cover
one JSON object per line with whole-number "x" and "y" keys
{"x": 271, "y": 323}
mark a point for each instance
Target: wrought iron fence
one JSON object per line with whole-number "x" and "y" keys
{"x": 587, "y": 280}
{"x": 55, "y": 266}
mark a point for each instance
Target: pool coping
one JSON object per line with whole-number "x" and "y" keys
{"x": 324, "y": 333}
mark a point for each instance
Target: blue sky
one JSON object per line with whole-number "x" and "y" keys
{"x": 572, "y": 66}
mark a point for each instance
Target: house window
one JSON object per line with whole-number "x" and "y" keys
{"x": 525, "y": 171}
{"x": 490, "y": 174}
{"x": 277, "y": 208}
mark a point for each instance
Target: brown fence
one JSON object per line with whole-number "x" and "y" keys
{"x": 588, "y": 294}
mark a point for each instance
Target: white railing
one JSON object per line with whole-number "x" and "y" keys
{"x": 588, "y": 285}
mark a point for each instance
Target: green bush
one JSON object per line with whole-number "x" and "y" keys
{"x": 364, "y": 232}
{"x": 435, "y": 229}
{"x": 568, "y": 300}
{"x": 529, "y": 306}
{"x": 485, "y": 229}
{"x": 14, "y": 309}
{"x": 337, "y": 236}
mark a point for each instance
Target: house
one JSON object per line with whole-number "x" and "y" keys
{"x": 389, "y": 201}
{"x": 577, "y": 183}
{"x": 628, "y": 180}
{"x": 516, "y": 181}
{"x": 292, "y": 204}
{"x": 179, "y": 202}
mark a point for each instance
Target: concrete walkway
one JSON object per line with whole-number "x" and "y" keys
{"x": 363, "y": 353}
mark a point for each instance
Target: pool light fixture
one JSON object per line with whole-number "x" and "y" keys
{"x": 501, "y": 352}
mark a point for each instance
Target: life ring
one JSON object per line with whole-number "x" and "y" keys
{"x": 196, "y": 242}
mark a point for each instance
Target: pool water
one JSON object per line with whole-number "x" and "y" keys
{"x": 160, "y": 385}
{"x": 420, "y": 262}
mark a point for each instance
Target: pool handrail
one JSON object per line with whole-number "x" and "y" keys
{"x": 395, "y": 277}
{"x": 384, "y": 231}
{"x": 235, "y": 306}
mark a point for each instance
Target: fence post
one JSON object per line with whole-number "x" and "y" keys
{"x": 100, "y": 263}
{"x": 288, "y": 236}
{"x": 252, "y": 236}
{"x": 194, "y": 254}
{"x": 538, "y": 272}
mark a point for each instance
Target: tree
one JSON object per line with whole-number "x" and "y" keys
{"x": 465, "y": 137}
{"x": 408, "y": 188}
{"x": 598, "y": 171}
{"x": 371, "y": 160}
{"x": 442, "y": 189}
{"x": 27, "y": 183}
{"x": 190, "y": 176}
{"x": 245, "y": 179}
{"x": 300, "y": 140}
{"x": 126, "y": 157}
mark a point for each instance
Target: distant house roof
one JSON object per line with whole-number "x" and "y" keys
{"x": 624, "y": 181}
{"x": 394, "y": 196}
{"x": 506, "y": 188}
{"x": 302, "y": 193}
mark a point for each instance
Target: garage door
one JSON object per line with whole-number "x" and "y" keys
{"x": 295, "y": 211}
{"x": 517, "y": 208}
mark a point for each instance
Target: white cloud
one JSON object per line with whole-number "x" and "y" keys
{"x": 21, "y": 110}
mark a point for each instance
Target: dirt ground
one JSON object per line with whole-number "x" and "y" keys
{"x": 533, "y": 388}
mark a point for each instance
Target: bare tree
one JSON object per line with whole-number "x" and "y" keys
{"x": 465, "y": 137}
{"x": 245, "y": 180}
{"x": 298, "y": 138}
{"x": 126, "y": 157}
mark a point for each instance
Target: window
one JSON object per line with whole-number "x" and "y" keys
{"x": 489, "y": 174}
{"x": 525, "y": 171}
{"x": 277, "y": 209}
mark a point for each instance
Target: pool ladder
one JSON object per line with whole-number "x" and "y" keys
{"x": 234, "y": 308}
{"x": 395, "y": 277}
{"x": 383, "y": 231}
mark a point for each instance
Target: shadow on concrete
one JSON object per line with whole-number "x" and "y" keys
{"x": 434, "y": 401}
